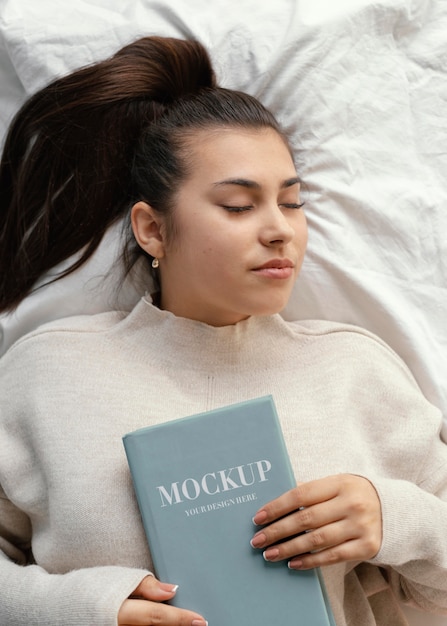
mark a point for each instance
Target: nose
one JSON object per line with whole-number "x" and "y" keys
{"x": 277, "y": 229}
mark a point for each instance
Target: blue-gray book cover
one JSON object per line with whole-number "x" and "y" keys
{"x": 198, "y": 481}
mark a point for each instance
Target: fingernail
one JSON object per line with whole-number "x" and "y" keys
{"x": 294, "y": 564}
{"x": 259, "y": 518}
{"x": 258, "y": 540}
{"x": 168, "y": 588}
{"x": 199, "y": 622}
{"x": 270, "y": 554}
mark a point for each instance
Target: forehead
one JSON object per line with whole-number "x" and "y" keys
{"x": 232, "y": 151}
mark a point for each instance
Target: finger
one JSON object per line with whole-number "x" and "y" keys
{"x": 361, "y": 512}
{"x": 304, "y": 494}
{"x": 298, "y": 522}
{"x": 147, "y": 613}
{"x": 349, "y": 551}
{"x": 315, "y": 540}
{"x": 151, "y": 588}
{"x": 350, "y": 543}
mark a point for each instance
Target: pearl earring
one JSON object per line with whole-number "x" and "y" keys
{"x": 155, "y": 263}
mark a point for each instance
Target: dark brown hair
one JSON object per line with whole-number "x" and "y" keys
{"x": 84, "y": 148}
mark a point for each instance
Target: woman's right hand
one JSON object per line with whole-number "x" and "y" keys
{"x": 145, "y": 607}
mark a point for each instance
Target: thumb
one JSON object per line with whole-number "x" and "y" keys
{"x": 151, "y": 588}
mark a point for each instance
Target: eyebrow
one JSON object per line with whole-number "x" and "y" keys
{"x": 251, "y": 184}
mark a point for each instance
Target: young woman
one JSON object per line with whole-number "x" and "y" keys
{"x": 207, "y": 180}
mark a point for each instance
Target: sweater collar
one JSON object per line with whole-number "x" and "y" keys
{"x": 248, "y": 342}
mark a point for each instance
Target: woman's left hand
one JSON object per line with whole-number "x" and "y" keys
{"x": 339, "y": 516}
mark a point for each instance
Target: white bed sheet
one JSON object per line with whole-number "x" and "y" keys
{"x": 360, "y": 86}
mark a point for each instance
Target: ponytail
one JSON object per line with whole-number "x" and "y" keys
{"x": 83, "y": 149}
{"x": 65, "y": 169}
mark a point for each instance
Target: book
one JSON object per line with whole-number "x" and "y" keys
{"x": 199, "y": 480}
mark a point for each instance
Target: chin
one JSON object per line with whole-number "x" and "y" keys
{"x": 271, "y": 309}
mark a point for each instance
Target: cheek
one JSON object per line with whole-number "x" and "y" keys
{"x": 203, "y": 258}
{"x": 305, "y": 239}
{"x": 213, "y": 244}
{"x": 218, "y": 264}
{"x": 302, "y": 233}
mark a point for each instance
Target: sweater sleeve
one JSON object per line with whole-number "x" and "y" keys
{"x": 32, "y": 596}
{"x": 400, "y": 434}
{"x": 32, "y": 592}
{"x": 413, "y": 495}
{"x": 415, "y": 540}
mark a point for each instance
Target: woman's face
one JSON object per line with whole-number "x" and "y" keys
{"x": 240, "y": 235}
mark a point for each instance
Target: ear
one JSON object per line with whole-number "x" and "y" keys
{"x": 147, "y": 228}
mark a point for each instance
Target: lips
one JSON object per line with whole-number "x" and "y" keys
{"x": 276, "y": 268}
{"x": 276, "y": 264}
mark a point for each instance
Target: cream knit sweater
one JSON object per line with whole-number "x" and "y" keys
{"x": 70, "y": 390}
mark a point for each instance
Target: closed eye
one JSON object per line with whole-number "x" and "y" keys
{"x": 236, "y": 209}
{"x": 292, "y": 205}
{"x": 241, "y": 209}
